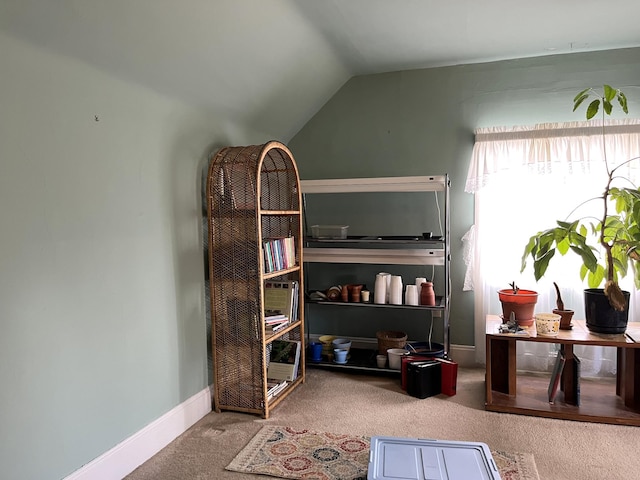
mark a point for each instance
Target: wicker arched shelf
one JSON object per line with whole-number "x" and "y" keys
{"x": 253, "y": 195}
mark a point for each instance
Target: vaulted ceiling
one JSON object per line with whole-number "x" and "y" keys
{"x": 272, "y": 64}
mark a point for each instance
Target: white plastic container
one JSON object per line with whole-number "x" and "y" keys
{"x": 395, "y": 357}
{"x": 392, "y": 458}
{"x": 411, "y": 295}
{"x": 395, "y": 290}
{"x": 547, "y": 324}
{"x": 334, "y": 232}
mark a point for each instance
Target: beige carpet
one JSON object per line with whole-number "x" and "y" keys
{"x": 367, "y": 405}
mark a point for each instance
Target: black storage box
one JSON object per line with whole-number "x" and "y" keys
{"x": 424, "y": 378}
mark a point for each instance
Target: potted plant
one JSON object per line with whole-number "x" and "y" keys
{"x": 565, "y": 314}
{"x": 519, "y": 302}
{"x": 607, "y": 245}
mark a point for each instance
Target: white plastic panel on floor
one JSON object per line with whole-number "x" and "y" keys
{"x": 394, "y": 458}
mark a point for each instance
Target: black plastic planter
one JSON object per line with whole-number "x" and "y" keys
{"x": 601, "y": 316}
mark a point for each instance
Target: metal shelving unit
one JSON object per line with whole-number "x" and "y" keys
{"x": 389, "y": 250}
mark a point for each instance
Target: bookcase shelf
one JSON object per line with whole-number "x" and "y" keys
{"x": 253, "y": 196}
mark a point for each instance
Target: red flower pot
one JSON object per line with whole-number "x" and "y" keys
{"x": 522, "y": 304}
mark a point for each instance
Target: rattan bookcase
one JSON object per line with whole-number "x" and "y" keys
{"x": 253, "y": 195}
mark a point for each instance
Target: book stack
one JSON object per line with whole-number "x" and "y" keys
{"x": 279, "y": 253}
{"x": 284, "y": 360}
{"x": 274, "y": 387}
{"x": 275, "y": 323}
{"x": 280, "y": 304}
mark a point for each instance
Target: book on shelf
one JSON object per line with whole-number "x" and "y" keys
{"x": 576, "y": 380}
{"x": 556, "y": 374}
{"x": 281, "y": 298}
{"x": 279, "y": 253}
{"x": 284, "y": 359}
{"x": 274, "y": 387}
{"x": 275, "y": 328}
{"x": 275, "y": 318}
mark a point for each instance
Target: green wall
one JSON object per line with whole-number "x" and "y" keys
{"x": 102, "y": 297}
{"x": 102, "y": 303}
{"x": 421, "y": 122}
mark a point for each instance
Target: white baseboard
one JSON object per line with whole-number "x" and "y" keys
{"x": 463, "y": 355}
{"x": 125, "y": 457}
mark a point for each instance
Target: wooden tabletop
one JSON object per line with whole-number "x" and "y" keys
{"x": 579, "y": 334}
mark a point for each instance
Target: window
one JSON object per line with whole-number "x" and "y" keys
{"x": 524, "y": 179}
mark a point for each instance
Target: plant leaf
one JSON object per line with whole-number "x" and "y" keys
{"x": 563, "y": 245}
{"x": 593, "y": 108}
{"x": 588, "y": 258}
{"x": 541, "y": 264}
{"x": 528, "y": 249}
{"x": 594, "y": 279}
{"x": 606, "y": 104}
{"x": 622, "y": 100}
{"x": 580, "y": 94}
{"x": 583, "y": 272}
{"x": 581, "y": 97}
{"x": 609, "y": 93}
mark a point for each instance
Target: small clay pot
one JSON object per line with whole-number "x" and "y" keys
{"x": 354, "y": 292}
{"x": 427, "y": 295}
{"x": 344, "y": 294}
{"x": 565, "y": 318}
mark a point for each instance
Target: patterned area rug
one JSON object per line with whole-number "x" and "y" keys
{"x": 285, "y": 452}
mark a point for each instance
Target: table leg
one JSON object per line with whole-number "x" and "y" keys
{"x": 501, "y": 365}
{"x": 629, "y": 376}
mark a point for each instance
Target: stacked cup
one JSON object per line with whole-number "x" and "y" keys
{"x": 380, "y": 291}
{"x": 395, "y": 290}
{"x": 411, "y": 295}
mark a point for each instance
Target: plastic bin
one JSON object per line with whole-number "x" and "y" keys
{"x": 395, "y": 458}
{"x": 335, "y": 232}
{"x": 424, "y": 378}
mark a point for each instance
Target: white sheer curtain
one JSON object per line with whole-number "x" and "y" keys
{"x": 524, "y": 179}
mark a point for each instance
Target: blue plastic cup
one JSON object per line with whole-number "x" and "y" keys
{"x": 315, "y": 348}
{"x": 340, "y": 354}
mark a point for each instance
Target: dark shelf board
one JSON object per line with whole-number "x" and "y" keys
{"x": 376, "y": 240}
{"x": 598, "y": 401}
{"x": 360, "y": 360}
{"x": 439, "y": 304}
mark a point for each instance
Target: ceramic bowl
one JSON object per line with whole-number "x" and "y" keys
{"x": 326, "y": 340}
{"x": 547, "y": 324}
{"x": 327, "y": 347}
{"x": 342, "y": 343}
{"x": 341, "y": 355}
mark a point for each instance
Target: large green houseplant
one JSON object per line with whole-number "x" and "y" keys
{"x": 608, "y": 245}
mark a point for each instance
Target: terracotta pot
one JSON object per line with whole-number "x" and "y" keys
{"x": 354, "y": 292}
{"x": 565, "y": 318}
{"x": 427, "y": 295}
{"x": 522, "y": 304}
{"x": 344, "y": 293}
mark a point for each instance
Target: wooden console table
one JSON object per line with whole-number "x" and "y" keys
{"x": 615, "y": 401}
